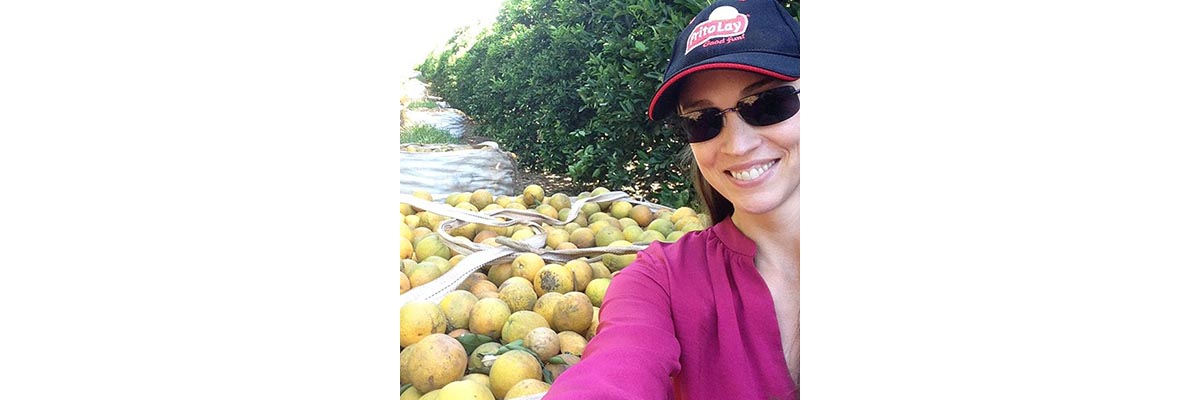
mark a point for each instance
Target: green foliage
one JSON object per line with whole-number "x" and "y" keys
{"x": 425, "y": 134}
{"x": 419, "y": 104}
{"x": 565, "y": 84}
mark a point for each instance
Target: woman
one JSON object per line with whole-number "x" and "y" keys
{"x": 716, "y": 314}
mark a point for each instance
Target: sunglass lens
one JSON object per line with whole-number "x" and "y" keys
{"x": 772, "y": 106}
{"x": 704, "y": 126}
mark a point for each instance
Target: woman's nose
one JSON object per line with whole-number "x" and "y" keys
{"x": 739, "y": 136}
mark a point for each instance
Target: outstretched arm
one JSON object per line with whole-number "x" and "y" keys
{"x": 635, "y": 352}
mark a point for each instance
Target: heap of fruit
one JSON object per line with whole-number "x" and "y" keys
{"x": 425, "y": 256}
{"x": 512, "y": 328}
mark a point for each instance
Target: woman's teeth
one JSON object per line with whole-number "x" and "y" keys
{"x": 751, "y": 173}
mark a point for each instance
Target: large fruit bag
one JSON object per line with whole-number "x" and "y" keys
{"x": 442, "y": 169}
{"x": 513, "y": 284}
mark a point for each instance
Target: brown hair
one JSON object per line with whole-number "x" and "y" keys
{"x": 711, "y": 201}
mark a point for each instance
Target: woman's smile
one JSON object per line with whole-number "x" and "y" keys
{"x": 749, "y": 175}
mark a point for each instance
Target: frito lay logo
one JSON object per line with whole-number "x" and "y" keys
{"x": 725, "y": 21}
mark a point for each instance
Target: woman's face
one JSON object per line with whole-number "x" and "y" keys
{"x": 756, "y": 167}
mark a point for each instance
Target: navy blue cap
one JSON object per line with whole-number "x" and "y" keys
{"x": 750, "y": 35}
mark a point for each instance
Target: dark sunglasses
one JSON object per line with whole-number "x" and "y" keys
{"x": 761, "y": 109}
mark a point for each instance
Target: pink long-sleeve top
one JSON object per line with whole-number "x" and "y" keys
{"x": 687, "y": 320}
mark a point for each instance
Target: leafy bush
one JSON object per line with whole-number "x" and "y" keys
{"x": 419, "y": 104}
{"x": 566, "y": 84}
{"x": 425, "y": 134}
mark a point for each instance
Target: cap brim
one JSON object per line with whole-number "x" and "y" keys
{"x": 665, "y": 98}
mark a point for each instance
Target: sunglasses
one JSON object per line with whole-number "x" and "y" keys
{"x": 762, "y": 109}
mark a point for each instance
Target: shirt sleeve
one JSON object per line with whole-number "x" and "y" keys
{"x": 635, "y": 352}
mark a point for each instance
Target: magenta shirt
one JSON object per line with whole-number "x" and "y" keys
{"x": 687, "y": 320}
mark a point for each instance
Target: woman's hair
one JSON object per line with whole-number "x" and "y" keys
{"x": 711, "y": 201}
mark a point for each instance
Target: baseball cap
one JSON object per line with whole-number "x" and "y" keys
{"x": 750, "y": 35}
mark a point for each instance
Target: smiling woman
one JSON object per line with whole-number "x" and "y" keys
{"x": 743, "y": 159}
{"x": 716, "y": 314}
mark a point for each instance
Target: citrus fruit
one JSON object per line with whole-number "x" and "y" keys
{"x": 465, "y": 390}
{"x": 543, "y": 341}
{"x": 620, "y": 209}
{"x": 431, "y": 245}
{"x": 433, "y": 362}
{"x": 527, "y": 387}
{"x": 533, "y": 194}
{"x": 580, "y": 271}
{"x": 545, "y": 304}
{"x": 518, "y": 294}
{"x": 456, "y": 306}
{"x": 553, "y": 278}
{"x": 488, "y": 317}
{"x": 572, "y": 313}
{"x": 596, "y": 289}
{"x": 418, "y": 319}
{"x": 512, "y": 367}
{"x": 519, "y": 324}
{"x": 571, "y": 343}
{"x": 526, "y": 265}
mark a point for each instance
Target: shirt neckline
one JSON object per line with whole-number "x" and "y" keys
{"x": 734, "y": 239}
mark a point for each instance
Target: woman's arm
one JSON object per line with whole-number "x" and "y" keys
{"x": 635, "y": 352}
